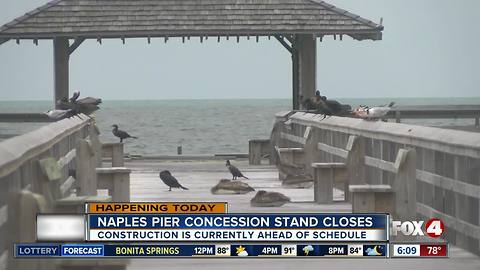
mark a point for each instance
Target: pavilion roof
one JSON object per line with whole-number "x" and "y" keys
{"x": 169, "y": 18}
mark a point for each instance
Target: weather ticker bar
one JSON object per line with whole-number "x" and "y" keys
{"x": 354, "y": 250}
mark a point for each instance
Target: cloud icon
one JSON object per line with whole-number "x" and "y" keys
{"x": 243, "y": 253}
{"x": 376, "y": 251}
{"x": 307, "y": 249}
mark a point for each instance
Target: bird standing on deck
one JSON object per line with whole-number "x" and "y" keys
{"x": 234, "y": 171}
{"x": 170, "y": 181}
{"x": 121, "y": 134}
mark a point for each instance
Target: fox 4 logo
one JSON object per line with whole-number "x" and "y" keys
{"x": 433, "y": 228}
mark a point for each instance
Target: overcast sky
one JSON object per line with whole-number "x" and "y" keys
{"x": 429, "y": 48}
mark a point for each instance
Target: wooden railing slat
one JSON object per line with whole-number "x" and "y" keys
{"x": 339, "y": 152}
{"x": 3, "y": 215}
{"x": 451, "y": 222}
{"x": 449, "y": 184}
{"x": 67, "y": 185}
{"x": 65, "y": 160}
{"x": 380, "y": 164}
{"x": 292, "y": 138}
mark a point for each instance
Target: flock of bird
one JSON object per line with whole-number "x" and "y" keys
{"x": 74, "y": 106}
{"x": 226, "y": 186}
{"x": 320, "y": 104}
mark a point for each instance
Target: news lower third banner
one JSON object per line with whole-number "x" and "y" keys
{"x": 122, "y": 250}
{"x": 237, "y": 227}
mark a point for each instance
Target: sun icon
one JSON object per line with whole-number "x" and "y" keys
{"x": 240, "y": 249}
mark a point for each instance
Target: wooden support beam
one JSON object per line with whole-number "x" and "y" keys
{"x": 61, "y": 68}
{"x": 99, "y": 40}
{"x": 75, "y": 45}
{"x": 201, "y": 39}
{"x": 35, "y": 41}
{"x": 148, "y": 40}
{"x": 18, "y": 41}
{"x": 165, "y": 39}
{"x": 256, "y": 38}
{"x": 284, "y": 43}
{"x": 183, "y": 39}
{"x": 304, "y": 68}
{"x": 218, "y": 39}
{"x": 238, "y": 39}
{"x": 123, "y": 40}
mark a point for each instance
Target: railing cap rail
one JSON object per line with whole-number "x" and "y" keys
{"x": 15, "y": 151}
{"x": 444, "y": 140}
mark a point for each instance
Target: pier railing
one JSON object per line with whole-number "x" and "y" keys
{"x": 55, "y": 169}
{"x": 432, "y": 172}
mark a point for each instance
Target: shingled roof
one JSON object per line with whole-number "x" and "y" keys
{"x": 150, "y": 18}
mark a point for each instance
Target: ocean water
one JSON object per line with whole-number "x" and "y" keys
{"x": 199, "y": 126}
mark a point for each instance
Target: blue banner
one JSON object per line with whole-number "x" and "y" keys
{"x": 82, "y": 250}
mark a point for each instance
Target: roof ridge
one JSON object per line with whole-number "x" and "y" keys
{"x": 343, "y": 12}
{"x": 29, "y": 14}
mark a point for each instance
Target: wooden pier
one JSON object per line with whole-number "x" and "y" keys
{"x": 405, "y": 169}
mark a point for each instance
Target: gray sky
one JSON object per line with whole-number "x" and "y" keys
{"x": 429, "y": 48}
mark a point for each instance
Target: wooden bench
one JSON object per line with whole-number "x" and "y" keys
{"x": 372, "y": 199}
{"x": 329, "y": 174}
{"x": 258, "y": 149}
{"x": 291, "y": 160}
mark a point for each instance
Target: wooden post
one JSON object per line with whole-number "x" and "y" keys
{"x": 60, "y": 63}
{"x": 304, "y": 58}
{"x": 323, "y": 185}
{"x": 405, "y": 187}
{"x": 86, "y": 163}
{"x": 355, "y": 163}
{"x": 398, "y": 118}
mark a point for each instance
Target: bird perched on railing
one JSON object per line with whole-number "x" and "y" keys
{"x": 234, "y": 171}
{"x": 85, "y": 105}
{"x": 170, "y": 181}
{"x": 372, "y": 113}
{"x": 121, "y": 134}
{"x": 60, "y": 114}
{"x": 269, "y": 199}
{"x": 327, "y": 107}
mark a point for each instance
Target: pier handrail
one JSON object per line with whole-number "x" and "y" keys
{"x": 15, "y": 151}
{"x": 445, "y": 140}
{"x": 445, "y": 165}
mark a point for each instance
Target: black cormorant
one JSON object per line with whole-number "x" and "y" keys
{"x": 170, "y": 181}
{"x": 121, "y": 134}
{"x": 234, "y": 171}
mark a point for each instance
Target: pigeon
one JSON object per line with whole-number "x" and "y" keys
{"x": 170, "y": 181}
{"x": 121, "y": 134}
{"x": 269, "y": 199}
{"x": 234, "y": 171}
{"x": 60, "y": 114}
